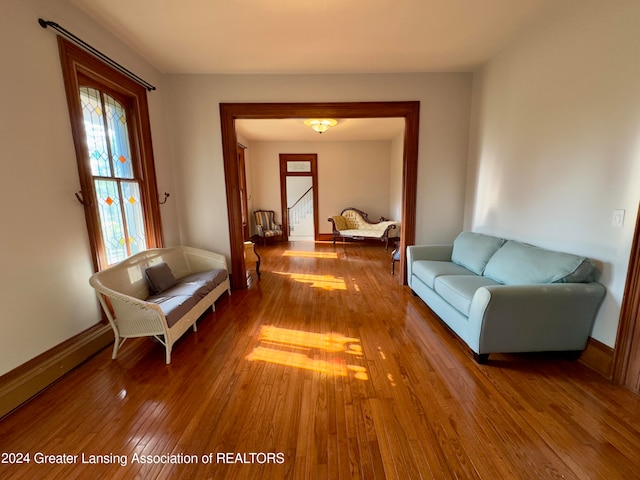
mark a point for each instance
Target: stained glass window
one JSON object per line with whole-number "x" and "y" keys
{"x": 112, "y": 136}
{"x": 117, "y": 190}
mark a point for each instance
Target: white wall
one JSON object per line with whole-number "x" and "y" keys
{"x": 556, "y": 140}
{"x": 396, "y": 177}
{"x": 197, "y": 149}
{"x": 350, "y": 174}
{"x": 45, "y": 253}
{"x": 45, "y": 256}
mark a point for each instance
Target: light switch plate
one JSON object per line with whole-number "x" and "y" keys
{"x": 617, "y": 220}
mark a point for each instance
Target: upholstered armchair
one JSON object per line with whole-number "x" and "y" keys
{"x": 267, "y": 227}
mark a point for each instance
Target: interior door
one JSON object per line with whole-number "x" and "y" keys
{"x": 300, "y": 208}
{"x": 301, "y": 167}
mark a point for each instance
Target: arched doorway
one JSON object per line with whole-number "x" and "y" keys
{"x": 230, "y": 112}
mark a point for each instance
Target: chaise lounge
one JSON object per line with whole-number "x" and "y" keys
{"x": 355, "y": 224}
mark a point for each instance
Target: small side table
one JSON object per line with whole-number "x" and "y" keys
{"x": 251, "y": 255}
{"x": 395, "y": 257}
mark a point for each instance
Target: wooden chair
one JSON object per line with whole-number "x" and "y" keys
{"x": 267, "y": 227}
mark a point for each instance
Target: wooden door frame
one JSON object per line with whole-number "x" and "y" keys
{"x": 242, "y": 185}
{"x": 298, "y": 157}
{"x": 626, "y": 356}
{"x": 230, "y": 112}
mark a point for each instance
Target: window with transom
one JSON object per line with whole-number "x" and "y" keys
{"x": 110, "y": 125}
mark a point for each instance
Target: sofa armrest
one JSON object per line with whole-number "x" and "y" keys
{"x": 131, "y": 316}
{"x": 523, "y": 318}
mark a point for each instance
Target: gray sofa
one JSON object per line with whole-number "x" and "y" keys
{"x": 501, "y": 295}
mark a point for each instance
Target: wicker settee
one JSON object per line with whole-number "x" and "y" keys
{"x": 160, "y": 293}
{"x": 355, "y": 224}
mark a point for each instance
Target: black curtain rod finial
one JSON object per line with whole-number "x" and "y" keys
{"x": 97, "y": 53}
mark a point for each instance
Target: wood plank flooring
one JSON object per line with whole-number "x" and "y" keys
{"x": 325, "y": 368}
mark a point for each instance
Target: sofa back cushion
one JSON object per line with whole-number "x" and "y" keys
{"x": 473, "y": 250}
{"x": 517, "y": 263}
{"x": 353, "y": 220}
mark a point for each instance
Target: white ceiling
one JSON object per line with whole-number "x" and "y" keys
{"x": 314, "y": 36}
{"x": 347, "y": 129}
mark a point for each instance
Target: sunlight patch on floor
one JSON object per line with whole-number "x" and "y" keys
{"x": 297, "y": 348}
{"x": 328, "y": 342}
{"x": 327, "y": 282}
{"x": 303, "y": 254}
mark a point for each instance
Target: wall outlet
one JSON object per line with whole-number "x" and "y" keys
{"x": 617, "y": 221}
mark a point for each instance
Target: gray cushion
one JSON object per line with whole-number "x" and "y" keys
{"x": 517, "y": 263}
{"x": 199, "y": 284}
{"x": 174, "y": 307}
{"x": 160, "y": 278}
{"x": 458, "y": 290}
{"x": 429, "y": 270}
{"x": 179, "y": 299}
{"x": 473, "y": 250}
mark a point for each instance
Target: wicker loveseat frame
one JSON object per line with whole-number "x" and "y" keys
{"x": 355, "y": 224}
{"x": 124, "y": 293}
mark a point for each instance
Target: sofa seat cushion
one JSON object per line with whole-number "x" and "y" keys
{"x": 174, "y": 307}
{"x": 199, "y": 284}
{"x": 458, "y": 290}
{"x": 176, "y": 301}
{"x": 517, "y": 263}
{"x": 271, "y": 233}
{"x": 367, "y": 233}
{"x": 473, "y": 250}
{"x": 429, "y": 270}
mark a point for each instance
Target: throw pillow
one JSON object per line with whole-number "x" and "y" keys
{"x": 340, "y": 222}
{"x": 160, "y": 278}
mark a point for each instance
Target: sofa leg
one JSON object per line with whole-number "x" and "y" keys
{"x": 481, "y": 358}
{"x": 116, "y": 346}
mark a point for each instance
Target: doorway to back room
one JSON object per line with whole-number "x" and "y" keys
{"x": 299, "y": 194}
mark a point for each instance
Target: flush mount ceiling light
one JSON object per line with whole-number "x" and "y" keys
{"x": 321, "y": 125}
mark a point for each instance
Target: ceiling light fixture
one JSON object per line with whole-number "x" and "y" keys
{"x": 321, "y": 125}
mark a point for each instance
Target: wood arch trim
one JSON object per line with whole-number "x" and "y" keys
{"x": 626, "y": 357}
{"x": 230, "y": 112}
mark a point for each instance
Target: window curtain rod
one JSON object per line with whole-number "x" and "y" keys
{"x": 97, "y": 53}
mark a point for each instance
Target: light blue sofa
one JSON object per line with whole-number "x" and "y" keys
{"x": 501, "y": 295}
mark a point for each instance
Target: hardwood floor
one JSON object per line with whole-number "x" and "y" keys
{"x": 325, "y": 368}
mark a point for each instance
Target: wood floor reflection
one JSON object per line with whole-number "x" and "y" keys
{"x": 325, "y": 368}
